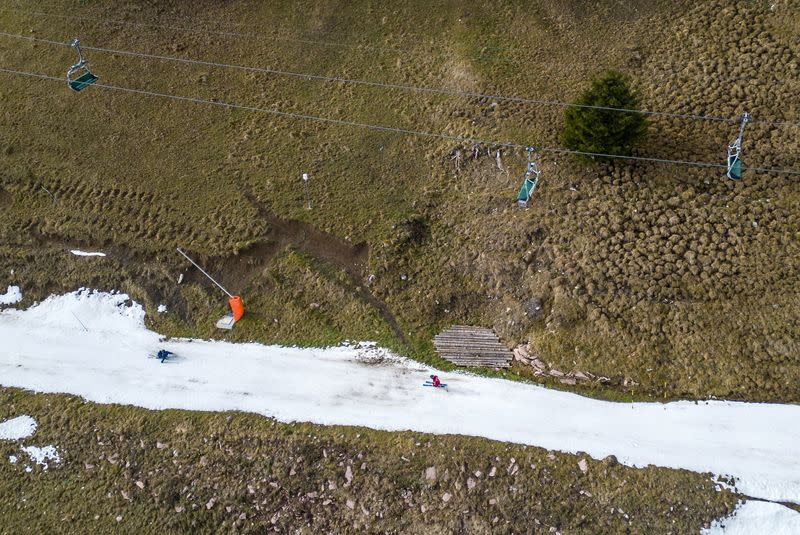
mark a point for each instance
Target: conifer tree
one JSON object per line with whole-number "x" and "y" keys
{"x": 604, "y": 131}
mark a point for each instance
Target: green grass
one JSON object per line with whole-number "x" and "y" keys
{"x": 131, "y": 470}
{"x": 638, "y": 267}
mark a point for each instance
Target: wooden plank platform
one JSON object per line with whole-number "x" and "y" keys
{"x": 465, "y": 345}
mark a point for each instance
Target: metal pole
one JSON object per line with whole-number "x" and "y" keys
{"x": 308, "y": 193}
{"x": 204, "y": 272}
{"x": 79, "y": 321}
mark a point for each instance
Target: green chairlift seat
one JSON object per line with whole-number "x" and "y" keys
{"x": 532, "y": 174}
{"x": 734, "y": 167}
{"x": 735, "y": 152}
{"x": 83, "y": 81}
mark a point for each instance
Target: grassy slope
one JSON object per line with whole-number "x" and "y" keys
{"x": 646, "y": 272}
{"x": 137, "y": 176}
{"x": 129, "y": 470}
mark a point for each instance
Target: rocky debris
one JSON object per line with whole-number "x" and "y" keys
{"x": 583, "y": 465}
{"x": 430, "y": 473}
{"x": 350, "y": 504}
{"x": 523, "y": 354}
{"x": 446, "y": 497}
{"x": 471, "y": 483}
{"x": 348, "y": 475}
{"x": 520, "y": 356}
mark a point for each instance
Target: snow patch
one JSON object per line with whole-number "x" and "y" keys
{"x": 12, "y": 459}
{"x": 12, "y": 295}
{"x": 17, "y": 428}
{"x": 757, "y": 518}
{"x": 76, "y": 252}
{"x": 42, "y": 456}
{"x": 162, "y": 309}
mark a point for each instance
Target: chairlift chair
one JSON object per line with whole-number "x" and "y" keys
{"x": 84, "y": 80}
{"x": 735, "y": 152}
{"x": 532, "y": 174}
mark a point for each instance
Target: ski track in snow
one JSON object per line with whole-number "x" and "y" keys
{"x": 44, "y": 349}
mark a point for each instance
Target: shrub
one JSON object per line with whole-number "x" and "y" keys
{"x": 604, "y": 131}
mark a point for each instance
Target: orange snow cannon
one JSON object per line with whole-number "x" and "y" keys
{"x": 237, "y": 307}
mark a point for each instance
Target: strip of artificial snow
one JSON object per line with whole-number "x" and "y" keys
{"x": 45, "y": 349}
{"x": 757, "y": 518}
{"x": 12, "y": 295}
{"x": 84, "y": 253}
{"x": 42, "y": 456}
{"x": 17, "y": 428}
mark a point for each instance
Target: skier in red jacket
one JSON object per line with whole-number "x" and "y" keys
{"x": 435, "y": 380}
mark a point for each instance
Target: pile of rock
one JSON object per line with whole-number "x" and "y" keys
{"x": 541, "y": 369}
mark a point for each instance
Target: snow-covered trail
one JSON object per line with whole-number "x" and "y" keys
{"x": 45, "y": 348}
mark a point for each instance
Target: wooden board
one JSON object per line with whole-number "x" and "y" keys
{"x": 466, "y": 345}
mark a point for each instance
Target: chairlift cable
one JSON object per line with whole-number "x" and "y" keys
{"x": 356, "y": 46}
{"x": 430, "y": 90}
{"x": 397, "y": 130}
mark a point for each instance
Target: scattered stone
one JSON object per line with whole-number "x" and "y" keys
{"x": 493, "y": 501}
{"x": 350, "y": 504}
{"x": 567, "y": 381}
{"x": 493, "y": 471}
{"x": 211, "y": 503}
{"x": 160, "y": 445}
{"x": 119, "y": 518}
{"x": 140, "y": 484}
{"x": 348, "y": 474}
{"x": 430, "y": 473}
{"x": 471, "y": 483}
{"x": 583, "y": 465}
{"x": 582, "y": 376}
{"x": 536, "y": 363}
{"x": 446, "y": 497}
{"x": 311, "y": 495}
{"x": 557, "y": 373}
